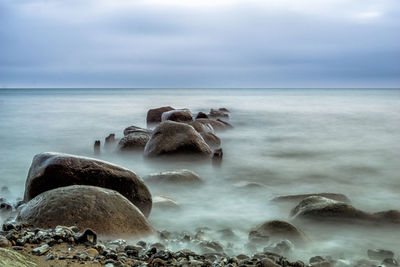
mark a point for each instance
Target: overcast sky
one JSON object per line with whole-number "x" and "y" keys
{"x": 199, "y": 43}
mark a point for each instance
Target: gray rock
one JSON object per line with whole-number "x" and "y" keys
{"x": 177, "y": 177}
{"x": 277, "y": 230}
{"x": 218, "y": 125}
{"x": 53, "y": 170}
{"x": 298, "y": 198}
{"x": 41, "y": 250}
{"x": 134, "y": 141}
{"x": 178, "y": 115}
{"x": 135, "y": 129}
{"x": 172, "y": 138}
{"x": 164, "y": 202}
{"x": 380, "y": 254}
{"x": 105, "y": 211}
{"x": 154, "y": 115}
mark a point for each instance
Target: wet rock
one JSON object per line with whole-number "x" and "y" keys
{"x": 277, "y": 230}
{"x": 171, "y": 138}
{"x": 109, "y": 139}
{"x": 218, "y": 125}
{"x": 283, "y": 248}
{"x": 390, "y": 262}
{"x": 154, "y": 115}
{"x": 217, "y": 156}
{"x": 223, "y": 109}
{"x": 227, "y": 234}
{"x": 87, "y": 236}
{"x": 105, "y": 211}
{"x": 178, "y": 115}
{"x": 201, "y": 115}
{"x": 5, "y": 207}
{"x": 41, "y": 250}
{"x": 135, "y": 141}
{"x": 177, "y": 177}
{"x": 164, "y": 202}
{"x": 135, "y": 129}
{"x": 316, "y": 259}
{"x": 249, "y": 185}
{"x": 322, "y": 264}
{"x": 211, "y": 139}
{"x": 380, "y": 254}
{"x": 217, "y": 114}
{"x": 53, "y": 170}
{"x": 96, "y": 146}
{"x": 268, "y": 263}
{"x": 210, "y": 247}
{"x": 201, "y": 128}
{"x": 298, "y": 198}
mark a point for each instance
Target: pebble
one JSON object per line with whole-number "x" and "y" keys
{"x": 41, "y": 250}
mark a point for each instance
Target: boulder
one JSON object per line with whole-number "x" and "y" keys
{"x": 105, "y": 211}
{"x": 109, "y": 139}
{"x": 214, "y": 113}
{"x": 96, "y": 146}
{"x": 223, "y": 109}
{"x": 154, "y": 115}
{"x": 277, "y": 230}
{"x": 135, "y": 129}
{"x": 176, "y": 138}
{"x": 164, "y": 202}
{"x": 201, "y": 115}
{"x": 218, "y": 125}
{"x": 201, "y": 127}
{"x": 177, "y": 177}
{"x": 178, "y": 115}
{"x": 53, "y": 170}
{"x": 298, "y": 198}
{"x": 249, "y": 185}
{"x": 134, "y": 141}
{"x": 211, "y": 139}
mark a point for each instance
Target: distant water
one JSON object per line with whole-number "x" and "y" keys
{"x": 292, "y": 140}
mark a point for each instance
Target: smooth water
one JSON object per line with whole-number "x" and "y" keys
{"x": 291, "y": 140}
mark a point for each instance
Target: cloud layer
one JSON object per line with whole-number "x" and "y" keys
{"x": 193, "y": 43}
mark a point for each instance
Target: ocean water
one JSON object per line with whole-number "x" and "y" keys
{"x": 291, "y": 140}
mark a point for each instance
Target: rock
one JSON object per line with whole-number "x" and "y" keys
{"x": 92, "y": 252}
{"x": 5, "y": 207}
{"x": 223, "y": 110}
{"x": 201, "y": 115}
{"x": 87, "y": 236}
{"x": 282, "y": 248}
{"x": 41, "y": 250}
{"x": 135, "y": 141}
{"x": 218, "y": 125}
{"x": 217, "y": 156}
{"x": 380, "y": 254}
{"x": 164, "y": 202}
{"x": 109, "y": 139}
{"x": 176, "y": 138}
{"x": 105, "y": 211}
{"x": 154, "y": 115}
{"x": 390, "y": 262}
{"x": 201, "y": 127}
{"x": 52, "y": 170}
{"x": 323, "y": 209}
{"x": 211, "y": 139}
{"x": 96, "y": 146}
{"x": 298, "y": 198}
{"x": 316, "y": 259}
{"x": 322, "y": 264}
{"x": 177, "y": 177}
{"x": 135, "y": 129}
{"x": 268, "y": 263}
{"x": 4, "y": 243}
{"x": 249, "y": 185}
{"x": 277, "y": 230}
{"x": 178, "y": 115}
{"x": 217, "y": 114}
{"x": 12, "y": 258}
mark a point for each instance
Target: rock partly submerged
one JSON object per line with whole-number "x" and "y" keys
{"x": 218, "y": 125}
{"x": 52, "y": 170}
{"x": 134, "y": 141}
{"x": 320, "y": 209}
{"x": 154, "y": 115}
{"x": 297, "y": 198}
{"x": 165, "y": 203}
{"x": 176, "y": 177}
{"x": 174, "y": 138}
{"x": 178, "y": 115}
{"x": 105, "y": 211}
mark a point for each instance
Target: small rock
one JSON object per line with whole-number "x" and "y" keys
{"x": 380, "y": 254}
{"x": 92, "y": 252}
{"x": 4, "y": 243}
{"x": 41, "y": 250}
{"x": 268, "y": 263}
{"x": 96, "y": 146}
{"x": 390, "y": 262}
{"x": 201, "y": 115}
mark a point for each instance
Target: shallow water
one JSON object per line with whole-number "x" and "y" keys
{"x": 291, "y": 140}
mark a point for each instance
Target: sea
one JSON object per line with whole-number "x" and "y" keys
{"x": 291, "y": 141}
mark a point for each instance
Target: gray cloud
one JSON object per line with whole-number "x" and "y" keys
{"x": 204, "y": 44}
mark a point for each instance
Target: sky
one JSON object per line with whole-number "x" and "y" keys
{"x": 199, "y": 43}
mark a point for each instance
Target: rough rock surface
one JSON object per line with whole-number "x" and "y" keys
{"x": 105, "y": 211}
{"x": 174, "y": 177}
{"x": 298, "y": 198}
{"x": 176, "y": 138}
{"x": 135, "y": 129}
{"x": 52, "y": 170}
{"x": 178, "y": 115}
{"x": 218, "y": 124}
{"x": 134, "y": 141}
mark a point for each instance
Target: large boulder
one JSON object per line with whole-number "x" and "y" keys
{"x": 320, "y": 209}
{"x": 176, "y": 138}
{"x": 53, "y": 170}
{"x": 297, "y": 198}
{"x": 154, "y": 115}
{"x": 178, "y": 115}
{"x": 105, "y": 211}
{"x": 134, "y": 141}
{"x": 277, "y": 230}
{"x": 177, "y": 177}
{"x": 218, "y": 125}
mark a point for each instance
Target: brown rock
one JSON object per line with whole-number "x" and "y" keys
{"x": 177, "y": 177}
{"x": 154, "y": 115}
{"x": 135, "y": 129}
{"x": 218, "y": 125}
{"x": 278, "y": 230}
{"x": 217, "y": 114}
{"x": 52, "y": 170}
{"x": 298, "y": 198}
{"x": 134, "y": 141}
{"x": 105, "y": 211}
{"x": 201, "y": 115}
{"x": 171, "y": 138}
{"x": 178, "y": 115}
